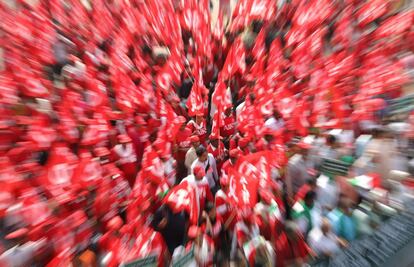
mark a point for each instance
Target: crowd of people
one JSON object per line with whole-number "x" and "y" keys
{"x": 148, "y": 130}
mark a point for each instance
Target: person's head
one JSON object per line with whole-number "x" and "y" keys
{"x": 124, "y": 139}
{"x": 199, "y": 118}
{"x": 211, "y": 210}
{"x": 195, "y": 234}
{"x": 268, "y": 134}
{"x": 345, "y": 204}
{"x": 325, "y": 226}
{"x": 291, "y": 230}
{"x": 227, "y": 112}
{"x": 276, "y": 114}
{"x": 201, "y": 153}
{"x": 224, "y": 182}
{"x": 252, "y": 97}
{"x": 103, "y": 154}
{"x": 331, "y": 140}
{"x": 214, "y": 141}
{"x": 195, "y": 141}
{"x": 309, "y": 198}
{"x": 199, "y": 173}
{"x": 303, "y": 148}
{"x": 160, "y": 219}
{"x": 311, "y": 183}
{"x": 182, "y": 122}
{"x": 234, "y": 155}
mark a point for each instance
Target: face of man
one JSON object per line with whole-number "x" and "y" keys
{"x": 199, "y": 119}
{"x": 203, "y": 157}
{"x": 214, "y": 142}
{"x": 196, "y": 144}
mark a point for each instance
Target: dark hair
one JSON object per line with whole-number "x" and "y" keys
{"x": 160, "y": 214}
{"x": 311, "y": 195}
{"x": 311, "y": 182}
{"x": 331, "y": 139}
{"x": 200, "y": 151}
{"x": 209, "y": 206}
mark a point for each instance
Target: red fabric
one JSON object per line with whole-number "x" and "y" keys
{"x": 183, "y": 143}
{"x": 303, "y": 190}
{"x": 182, "y": 198}
{"x": 229, "y": 127}
{"x": 198, "y": 129}
{"x": 287, "y": 250}
{"x": 218, "y": 153}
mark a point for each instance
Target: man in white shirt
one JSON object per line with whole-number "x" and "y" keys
{"x": 191, "y": 155}
{"x": 297, "y": 169}
{"x": 323, "y": 241}
{"x": 208, "y": 163}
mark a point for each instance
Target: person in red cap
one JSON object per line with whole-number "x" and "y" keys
{"x": 191, "y": 154}
{"x": 229, "y": 126}
{"x": 269, "y": 140}
{"x": 297, "y": 170}
{"x": 199, "y": 181}
{"x": 199, "y": 127}
{"x": 231, "y": 162}
{"x": 217, "y": 149}
{"x": 126, "y": 158}
{"x": 245, "y": 145}
{"x": 181, "y": 145}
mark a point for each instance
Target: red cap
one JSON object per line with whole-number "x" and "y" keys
{"x": 304, "y": 145}
{"x": 193, "y": 231}
{"x": 17, "y": 234}
{"x": 194, "y": 139}
{"x": 224, "y": 181}
{"x": 268, "y": 131}
{"x": 234, "y": 153}
{"x": 243, "y": 142}
{"x": 199, "y": 171}
{"x": 114, "y": 224}
{"x": 140, "y": 120}
{"x": 213, "y": 135}
{"x": 79, "y": 218}
{"x": 123, "y": 138}
{"x": 102, "y": 152}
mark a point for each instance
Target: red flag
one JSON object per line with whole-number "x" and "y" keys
{"x": 235, "y": 60}
{"x": 371, "y": 10}
{"x": 183, "y": 198}
{"x": 88, "y": 172}
{"x": 195, "y": 102}
{"x": 395, "y": 25}
{"x": 222, "y": 96}
{"x": 243, "y": 189}
{"x": 60, "y": 166}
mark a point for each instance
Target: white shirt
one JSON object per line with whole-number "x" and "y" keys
{"x": 190, "y": 157}
{"x": 211, "y": 173}
{"x": 274, "y": 124}
{"x": 323, "y": 244}
{"x": 297, "y": 173}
